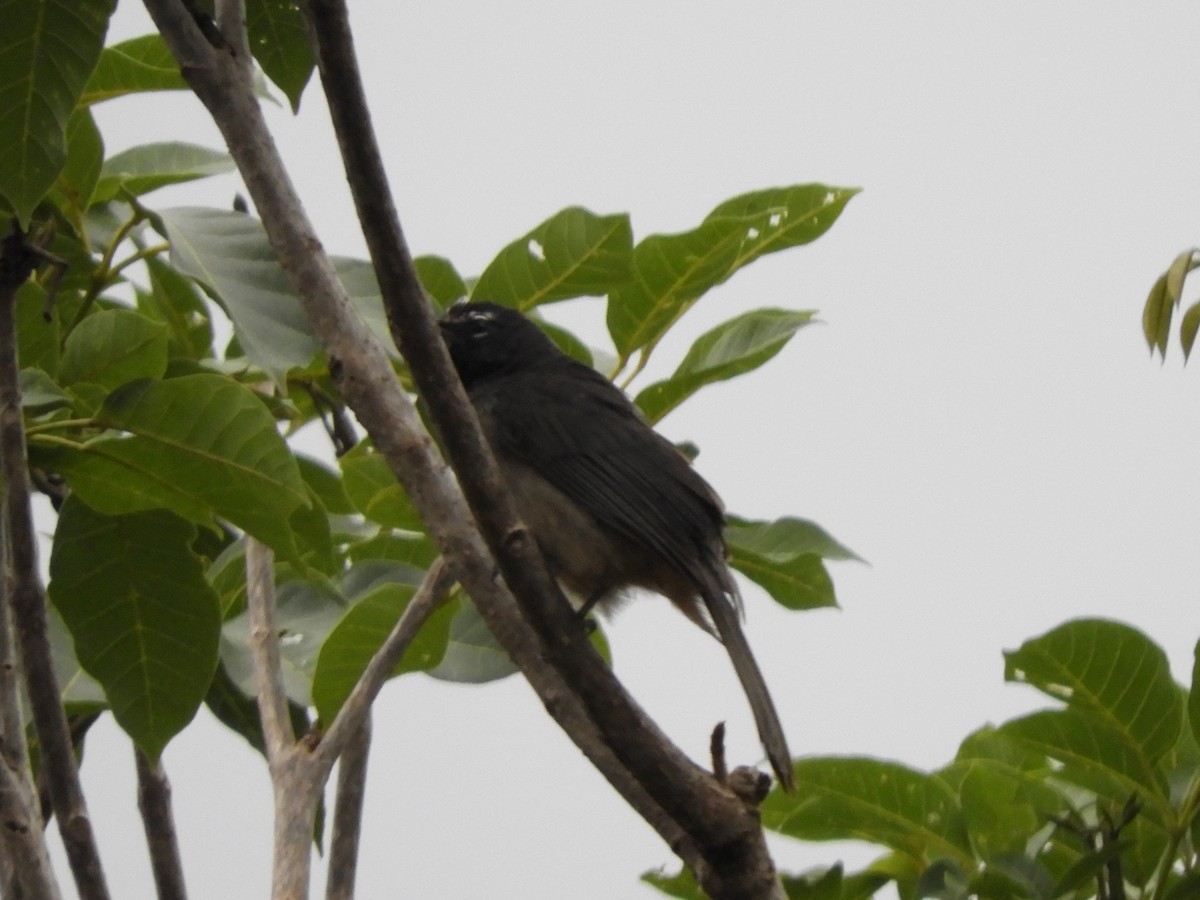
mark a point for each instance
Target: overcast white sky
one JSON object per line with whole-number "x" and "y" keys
{"x": 979, "y": 417}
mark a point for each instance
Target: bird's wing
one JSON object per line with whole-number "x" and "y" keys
{"x": 578, "y": 431}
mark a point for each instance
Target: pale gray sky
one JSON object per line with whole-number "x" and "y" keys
{"x": 979, "y": 417}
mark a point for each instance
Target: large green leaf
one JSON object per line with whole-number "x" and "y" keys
{"x": 113, "y": 347}
{"x": 279, "y": 41}
{"x": 361, "y": 632}
{"x": 201, "y": 446}
{"x": 574, "y": 253}
{"x": 473, "y": 655}
{"x": 49, "y": 49}
{"x": 785, "y": 558}
{"x": 229, "y": 253}
{"x": 732, "y": 348}
{"x": 1111, "y": 671}
{"x": 671, "y": 272}
{"x": 144, "y": 620}
{"x": 148, "y": 167}
{"x": 855, "y": 798}
{"x": 140, "y": 64}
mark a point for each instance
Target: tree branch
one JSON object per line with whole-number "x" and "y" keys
{"x": 347, "y": 814}
{"x": 154, "y": 803}
{"x": 718, "y": 821}
{"x": 264, "y": 650}
{"x": 26, "y": 597}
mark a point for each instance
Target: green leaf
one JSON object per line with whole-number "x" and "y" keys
{"x": 174, "y": 300}
{"x": 85, "y": 155}
{"x": 732, "y": 348}
{"x": 201, "y": 446}
{"x": 855, "y": 798}
{"x": 39, "y": 391}
{"x": 144, "y": 620}
{"x": 50, "y": 48}
{"x": 112, "y": 347}
{"x": 1113, "y": 672}
{"x": 681, "y": 885}
{"x": 671, "y": 272}
{"x": 1188, "y": 328}
{"x": 37, "y": 337}
{"x": 1193, "y": 703}
{"x": 374, "y": 491}
{"x": 239, "y": 712}
{"x": 140, "y": 64}
{"x": 1094, "y": 756}
{"x": 327, "y": 486}
{"x": 76, "y": 686}
{"x": 359, "y": 635}
{"x": 784, "y": 557}
{"x": 795, "y": 215}
{"x": 305, "y": 614}
{"x": 228, "y": 252}
{"x": 440, "y": 279}
{"x": 574, "y": 253}
{"x": 147, "y": 167}
{"x": 1164, "y": 296}
{"x": 473, "y": 655}
{"x": 279, "y": 41}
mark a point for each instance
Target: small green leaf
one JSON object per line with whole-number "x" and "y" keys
{"x": 112, "y": 347}
{"x": 50, "y": 48}
{"x": 440, "y": 279}
{"x": 1113, "y": 672}
{"x": 140, "y": 64}
{"x": 1193, "y": 703}
{"x": 229, "y": 253}
{"x": 855, "y": 798}
{"x": 795, "y": 215}
{"x": 359, "y": 635}
{"x": 144, "y": 620}
{"x": 201, "y": 446}
{"x": 174, "y": 300}
{"x": 374, "y": 491}
{"x": 732, "y": 348}
{"x": 279, "y": 41}
{"x": 473, "y": 655}
{"x": 147, "y": 167}
{"x": 682, "y": 885}
{"x": 784, "y": 557}
{"x": 39, "y": 391}
{"x": 1188, "y": 328}
{"x": 574, "y": 253}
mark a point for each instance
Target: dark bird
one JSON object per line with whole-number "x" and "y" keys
{"x": 612, "y": 504}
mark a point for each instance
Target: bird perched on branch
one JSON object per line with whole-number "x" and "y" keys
{"x": 612, "y": 504}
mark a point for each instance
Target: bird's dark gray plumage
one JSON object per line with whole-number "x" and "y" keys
{"x": 612, "y": 503}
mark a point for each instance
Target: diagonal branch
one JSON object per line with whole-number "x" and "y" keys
{"x": 154, "y": 804}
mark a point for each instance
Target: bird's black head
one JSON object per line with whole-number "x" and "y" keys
{"x": 486, "y": 340}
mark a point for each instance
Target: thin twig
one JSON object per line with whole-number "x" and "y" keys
{"x": 264, "y": 650}
{"x": 347, "y": 814}
{"x": 154, "y": 803}
{"x": 428, "y": 597}
{"x": 28, "y": 599}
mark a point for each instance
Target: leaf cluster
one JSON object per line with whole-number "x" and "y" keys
{"x": 167, "y": 375}
{"x": 1098, "y": 796}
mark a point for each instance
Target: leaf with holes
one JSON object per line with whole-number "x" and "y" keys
{"x": 574, "y": 253}
{"x": 1111, "y": 671}
{"x": 731, "y": 349}
{"x": 50, "y": 48}
{"x": 144, "y": 621}
{"x": 200, "y": 445}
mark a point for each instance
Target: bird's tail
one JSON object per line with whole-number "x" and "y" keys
{"x": 724, "y": 614}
